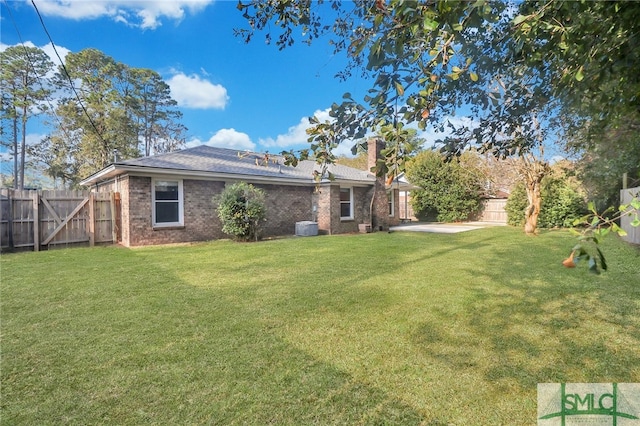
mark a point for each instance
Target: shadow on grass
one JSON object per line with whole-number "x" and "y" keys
{"x": 520, "y": 324}
{"x": 396, "y": 329}
{"x": 145, "y": 347}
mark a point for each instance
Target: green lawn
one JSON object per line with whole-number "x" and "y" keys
{"x": 401, "y": 328}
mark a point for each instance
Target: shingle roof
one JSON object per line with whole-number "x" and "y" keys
{"x": 221, "y": 161}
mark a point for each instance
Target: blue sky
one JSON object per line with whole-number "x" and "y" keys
{"x": 234, "y": 95}
{"x": 245, "y": 96}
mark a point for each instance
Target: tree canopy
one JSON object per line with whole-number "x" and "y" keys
{"x": 108, "y": 111}
{"x": 425, "y": 59}
{"x": 23, "y": 95}
{"x": 530, "y": 72}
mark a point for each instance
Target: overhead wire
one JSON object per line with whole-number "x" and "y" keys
{"x": 66, "y": 74}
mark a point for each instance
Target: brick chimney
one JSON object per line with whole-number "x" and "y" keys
{"x": 379, "y": 205}
{"x": 375, "y": 145}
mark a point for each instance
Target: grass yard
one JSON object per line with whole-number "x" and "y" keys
{"x": 401, "y": 328}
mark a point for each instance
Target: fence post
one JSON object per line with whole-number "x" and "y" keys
{"x": 10, "y": 196}
{"x": 92, "y": 220}
{"x": 36, "y": 220}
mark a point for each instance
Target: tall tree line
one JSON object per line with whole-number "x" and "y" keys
{"x": 103, "y": 111}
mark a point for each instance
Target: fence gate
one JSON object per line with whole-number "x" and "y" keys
{"x": 45, "y": 219}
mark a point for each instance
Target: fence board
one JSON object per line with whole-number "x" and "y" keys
{"x": 492, "y": 210}
{"x": 633, "y": 232}
{"x": 56, "y": 218}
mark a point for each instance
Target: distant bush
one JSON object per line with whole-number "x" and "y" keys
{"x": 241, "y": 208}
{"x": 561, "y": 204}
{"x": 516, "y": 204}
{"x": 449, "y": 190}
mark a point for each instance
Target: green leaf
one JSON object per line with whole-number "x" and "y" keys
{"x": 635, "y": 222}
{"x": 473, "y": 76}
{"x": 429, "y": 24}
{"x": 456, "y": 69}
{"x": 635, "y": 203}
{"x": 621, "y": 232}
{"x": 580, "y": 75}
{"x": 399, "y": 89}
{"x": 519, "y": 19}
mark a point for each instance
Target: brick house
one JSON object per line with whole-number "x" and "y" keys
{"x": 168, "y": 198}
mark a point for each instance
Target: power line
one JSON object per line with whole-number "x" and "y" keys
{"x": 66, "y": 73}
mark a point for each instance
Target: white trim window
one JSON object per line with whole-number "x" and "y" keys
{"x": 346, "y": 203}
{"x": 391, "y": 202}
{"x": 167, "y": 202}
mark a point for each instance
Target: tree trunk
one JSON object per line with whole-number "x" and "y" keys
{"x": 15, "y": 149}
{"x": 23, "y": 146}
{"x": 533, "y": 208}
{"x": 534, "y": 170}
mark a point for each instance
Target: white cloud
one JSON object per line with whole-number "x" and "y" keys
{"x": 226, "y": 138}
{"x": 34, "y": 138}
{"x": 62, "y": 51}
{"x": 47, "y": 48}
{"x": 192, "y": 91}
{"x": 144, "y": 14}
{"x": 295, "y": 135}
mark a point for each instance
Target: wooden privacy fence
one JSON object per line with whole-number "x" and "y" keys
{"x": 633, "y": 232}
{"x": 493, "y": 210}
{"x": 46, "y": 219}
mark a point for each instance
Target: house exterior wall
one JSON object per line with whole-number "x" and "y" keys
{"x": 327, "y": 203}
{"x": 321, "y": 201}
{"x": 200, "y": 221}
{"x": 405, "y": 209}
{"x": 125, "y": 213}
{"x": 395, "y": 218}
{"x": 380, "y": 209}
{"x": 285, "y": 206}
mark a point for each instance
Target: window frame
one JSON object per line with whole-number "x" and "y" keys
{"x": 180, "y": 202}
{"x": 391, "y": 203}
{"x": 351, "y": 202}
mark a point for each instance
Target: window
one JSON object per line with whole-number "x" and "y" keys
{"x": 167, "y": 203}
{"x": 391, "y": 204}
{"x": 346, "y": 203}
